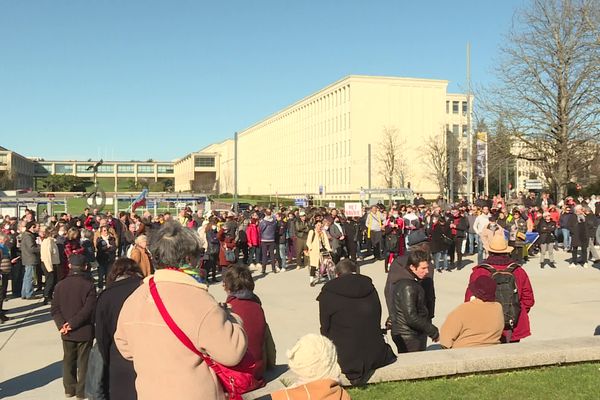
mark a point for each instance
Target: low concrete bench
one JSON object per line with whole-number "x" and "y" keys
{"x": 437, "y": 363}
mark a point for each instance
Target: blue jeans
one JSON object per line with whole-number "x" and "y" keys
{"x": 440, "y": 257}
{"x": 566, "y": 238}
{"x": 479, "y": 249}
{"x": 27, "y": 290}
{"x": 472, "y": 239}
{"x": 282, "y": 255}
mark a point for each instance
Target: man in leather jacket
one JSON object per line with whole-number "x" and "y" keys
{"x": 411, "y": 324}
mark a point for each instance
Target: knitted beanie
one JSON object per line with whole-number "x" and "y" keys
{"x": 314, "y": 357}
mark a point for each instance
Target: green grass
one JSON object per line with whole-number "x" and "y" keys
{"x": 561, "y": 382}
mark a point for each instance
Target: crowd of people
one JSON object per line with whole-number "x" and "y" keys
{"x": 127, "y": 281}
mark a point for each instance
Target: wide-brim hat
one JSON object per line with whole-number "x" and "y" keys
{"x": 498, "y": 245}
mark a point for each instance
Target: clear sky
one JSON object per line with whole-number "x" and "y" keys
{"x": 138, "y": 79}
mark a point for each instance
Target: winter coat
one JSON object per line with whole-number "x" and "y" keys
{"x": 314, "y": 243}
{"x": 74, "y": 301}
{"x": 281, "y": 232}
{"x": 579, "y": 234}
{"x": 225, "y": 242}
{"x": 248, "y": 307}
{"x": 471, "y": 324}
{"x": 49, "y": 254}
{"x": 267, "y": 228}
{"x": 335, "y": 234}
{"x": 437, "y": 241}
{"x": 30, "y": 251}
{"x": 120, "y": 380}
{"x": 158, "y": 356}
{"x": 323, "y": 389}
{"x": 462, "y": 226}
{"x": 568, "y": 221}
{"x": 301, "y": 229}
{"x": 546, "y": 230}
{"x": 106, "y": 250}
{"x": 409, "y": 314}
{"x": 526, "y": 298}
{"x": 350, "y": 315}
{"x": 253, "y": 235}
{"x": 143, "y": 258}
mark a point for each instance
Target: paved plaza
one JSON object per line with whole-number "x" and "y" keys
{"x": 567, "y": 302}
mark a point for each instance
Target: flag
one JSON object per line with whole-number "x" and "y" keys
{"x": 140, "y": 200}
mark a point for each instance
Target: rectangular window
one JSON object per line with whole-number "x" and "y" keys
{"x": 125, "y": 168}
{"x": 455, "y": 107}
{"x": 43, "y": 168}
{"x": 145, "y": 169}
{"x": 165, "y": 169}
{"x": 106, "y": 169}
{"x": 464, "y": 108}
{"x": 204, "y": 162}
{"x": 465, "y": 130}
{"x": 455, "y": 130}
{"x": 447, "y": 106}
{"x": 464, "y": 154}
{"x": 63, "y": 168}
{"x": 82, "y": 168}
{"x": 3, "y": 159}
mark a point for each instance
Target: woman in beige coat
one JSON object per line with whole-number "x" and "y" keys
{"x": 316, "y": 242}
{"x": 167, "y": 369}
{"x": 141, "y": 255}
{"x": 50, "y": 258}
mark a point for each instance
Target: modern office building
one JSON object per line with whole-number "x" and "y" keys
{"x": 209, "y": 170}
{"x": 18, "y": 169}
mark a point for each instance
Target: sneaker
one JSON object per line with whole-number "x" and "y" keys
{"x": 312, "y": 281}
{"x": 586, "y": 265}
{"x": 276, "y": 270}
{"x": 572, "y": 265}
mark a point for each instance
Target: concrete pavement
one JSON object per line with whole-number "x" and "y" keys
{"x": 567, "y": 302}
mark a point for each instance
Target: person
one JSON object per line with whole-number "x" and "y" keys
{"x": 374, "y": 226}
{"x": 30, "y": 255}
{"x": 50, "y": 260}
{"x": 440, "y": 241}
{"x": 338, "y": 236}
{"x": 478, "y": 322}
{"x": 106, "y": 250}
{"x": 579, "y": 239}
{"x": 567, "y": 222}
{"x": 281, "y": 238}
{"x": 267, "y": 232}
{"x": 143, "y": 337}
{"x": 253, "y": 236}
{"x": 239, "y": 287}
{"x": 316, "y": 244}
{"x": 226, "y": 244}
{"x": 314, "y": 361}
{"x": 410, "y": 321}
{"x": 547, "y": 241}
{"x": 142, "y": 256}
{"x": 350, "y": 315}
{"x": 481, "y": 221}
{"x": 302, "y": 229}
{"x": 591, "y": 225}
{"x": 73, "y": 310}
{"x": 499, "y": 259}
{"x": 124, "y": 278}
{"x": 459, "y": 225}
{"x": 5, "y": 273}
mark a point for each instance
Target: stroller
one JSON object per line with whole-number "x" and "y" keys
{"x": 326, "y": 266}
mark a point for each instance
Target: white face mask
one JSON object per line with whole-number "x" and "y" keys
{"x": 395, "y": 215}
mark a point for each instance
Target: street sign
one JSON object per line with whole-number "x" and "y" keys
{"x": 533, "y": 184}
{"x": 320, "y": 189}
{"x": 301, "y": 202}
{"x": 331, "y": 205}
{"x": 353, "y": 209}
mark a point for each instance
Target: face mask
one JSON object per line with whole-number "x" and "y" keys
{"x": 214, "y": 228}
{"x": 325, "y": 227}
{"x": 395, "y": 215}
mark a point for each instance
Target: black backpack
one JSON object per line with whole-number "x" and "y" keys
{"x": 391, "y": 242}
{"x": 506, "y": 293}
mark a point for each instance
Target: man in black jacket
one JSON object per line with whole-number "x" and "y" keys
{"x": 411, "y": 324}
{"x": 301, "y": 227}
{"x": 350, "y": 315}
{"x": 72, "y": 309}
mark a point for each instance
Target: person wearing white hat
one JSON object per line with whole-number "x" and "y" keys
{"x": 314, "y": 360}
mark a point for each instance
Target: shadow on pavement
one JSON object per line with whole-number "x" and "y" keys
{"x": 20, "y": 309}
{"x": 31, "y": 380}
{"x": 34, "y": 318}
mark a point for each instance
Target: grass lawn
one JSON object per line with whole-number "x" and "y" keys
{"x": 565, "y": 382}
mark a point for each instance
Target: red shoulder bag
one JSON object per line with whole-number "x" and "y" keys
{"x": 235, "y": 380}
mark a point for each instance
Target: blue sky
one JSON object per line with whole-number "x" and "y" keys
{"x": 138, "y": 79}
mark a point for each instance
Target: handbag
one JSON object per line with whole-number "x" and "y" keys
{"x": 235, "y": 380}
{"x": 95, "y": 377}
{"x": 5, "y": 266}
{"x": 229, "y": 255}
{"x": 447, "y": 241}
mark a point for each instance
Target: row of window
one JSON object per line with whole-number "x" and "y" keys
{"x": 102, "y": 169}
{"x": 455, "y": 107}
{"x": 204, "y": 161}
{"x": 456, "y": 128}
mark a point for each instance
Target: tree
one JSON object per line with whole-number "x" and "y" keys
{"x": 435, "y": 157}
{"x": 500, "y": 157}
{"x": 7, "y": 180}
{"x": 392, "y": 165}
{"x": 65, "y": 183}
{"x": 549, "y": 91}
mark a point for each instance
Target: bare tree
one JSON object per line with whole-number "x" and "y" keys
{"x": 392, "y": 166}
{"x": 435, "y": 158}
{"x": 549, "y": 92}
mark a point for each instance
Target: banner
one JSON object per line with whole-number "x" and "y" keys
{"x": 353, "y": 209}
{"x": 481, "y": 155}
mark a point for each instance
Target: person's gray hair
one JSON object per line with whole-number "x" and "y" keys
{"x": 173, "y": 244}
{"x": 140, "y": 238}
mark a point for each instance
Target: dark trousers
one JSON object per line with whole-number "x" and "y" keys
{"x": 39, "y": 272}
{"x": 410, "y": 344}
{"x": 17, "y": 278}
{"x": 300, "y": 244}
{"x": 75, "y": 362}
{"x": 268, "y": 254}
{"x": 50, "y": 278}
{"x": 456, "y": 249}
{"x": 243, "y": 248}
{"x": 103, "y": 271}
{"x": 3, "y": 289}
{"x": 210, "y": 266}
{"x": 584, "y": 254}
{"x": 351, "y": 246}
{"x": 291, "y": 251}
{"x": 375, "y": 243}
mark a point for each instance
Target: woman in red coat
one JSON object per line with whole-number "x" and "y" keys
{"x": 253, "y": 236}
{"x": 499, "y": 259}
{"x": 239, "y": 286}
{"x": 227, "y": 243}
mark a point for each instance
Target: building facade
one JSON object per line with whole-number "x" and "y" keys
{"x": 18, "y": 169}
{"x": 209, "y": 170}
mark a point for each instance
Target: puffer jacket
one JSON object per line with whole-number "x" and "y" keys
{"x": 546, "y": 230}
{"x": 267, "y": 228}
{"x": 410, "y": 317}
{"x": 253, "y": 235}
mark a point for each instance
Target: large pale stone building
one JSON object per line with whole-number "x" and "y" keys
{"x": 321, "y": 141}
{"x": 18, "y": 168}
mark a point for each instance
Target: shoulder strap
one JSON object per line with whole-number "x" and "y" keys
{"x": 169, "y": 321}
{"x": 488, "y": 268}
{"x": 511, "y": 268}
